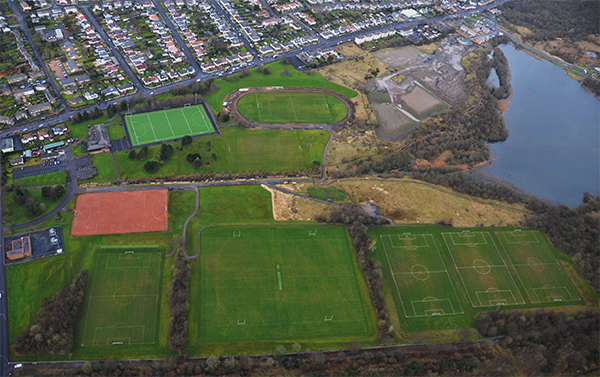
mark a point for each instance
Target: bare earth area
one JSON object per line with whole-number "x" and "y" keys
{"x": 409, "y": 201}
{"x": 290, "y": 207}
{"x": 430, "y": 83}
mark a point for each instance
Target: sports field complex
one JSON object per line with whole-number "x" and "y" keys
{"x": 440, "y": 274}
{"x": 170, "y": 124}
{"x": 261, "y": 284}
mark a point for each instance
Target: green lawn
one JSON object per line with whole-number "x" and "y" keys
{"x": 116, "y": 132}
{"x": 124, "y": 295}
{"x": 44, "y": 277}
{"x": 50, "y": 179}
{"x": 80, "y": 130}
{"x": 106, "y": 168}
{"x": 16, "y": 213}
{"x": 237, "y": 151}
{"x": 296, "y": 79}
{"x": 327, "y": 193}
{"x": 278, "y": 285}
{"x": 274, "y": 107}
{"x": 444, "y": 277}
{"x": 168, "y": 124}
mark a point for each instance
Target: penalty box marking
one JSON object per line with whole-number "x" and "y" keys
{"x": 520, "y": 237}
{"x": 458, "y": 269}
{"x": 552, "y": 298}
{"x": 425, "y": 236}
{"x": 556, "y": 263}
{"x": 500, "y": 301}
{"x": 466, "y": 235}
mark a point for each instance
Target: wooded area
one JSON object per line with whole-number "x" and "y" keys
{"x": 53, "y": 326}
{"x": 179, "y": 297}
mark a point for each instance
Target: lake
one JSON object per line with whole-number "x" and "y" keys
{"x": 553, "y": 147}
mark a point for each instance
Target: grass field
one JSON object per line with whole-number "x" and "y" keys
{"x": 116, "y": 132}
{"x": 16, "y": 213}
{"x": 237, "y": 151}
{"x": 106, "y": 167}
{"x": 50, "y": 179}
{"x": 296, "y": 79}
{"x": 440, "y": 279}
{"x": 124, "y": 297}
{"x": 168, "y": 124}
{"x": 274, "y": 107}
{"x": 280, "y": 284}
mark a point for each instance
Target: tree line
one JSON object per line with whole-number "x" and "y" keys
{"x": 179, "y": 297}
{"x": 53, "y": 326}
{"x": 31, "y": 206}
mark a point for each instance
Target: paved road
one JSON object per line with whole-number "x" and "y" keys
{"x": 126, "y": 68}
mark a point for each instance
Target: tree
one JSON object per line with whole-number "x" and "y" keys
{"x": 33, "y": 209}
{"x": 296, "y": 347}
{"x": 143, "y": 153}
{"x": 197, "y": 164}
{"x": 132, "y": 154}
{"x": 267, "y": 70}
{"x": 186, "y": 140}
{"x": 165, "y": 151}
{"x": 280, "y": 349}
{"x": 223, "y": 116}
{"x": 214, "y": 157}
{"x": 20, "y": 196}
{"x": 151, "y": 166}
{"x": 286, "y": 72}
{"x": 209, "y": 144}
{"x": 123, "y": 105}
{"x": 211, "y": 364}
{"x": 191, "y": 157}
{"x": 88, "y": 367}
{"x": 57, "y": 193}
{"x": 46, "y": 191}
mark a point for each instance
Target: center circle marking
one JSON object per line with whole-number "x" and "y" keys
{"x": 420, "y": 272}
{"x": 535, "y": 264}
{"x": 123, "y": 296}
{"x": 481, "y": 266}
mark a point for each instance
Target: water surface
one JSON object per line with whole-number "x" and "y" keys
{"x": 553, "y": 147}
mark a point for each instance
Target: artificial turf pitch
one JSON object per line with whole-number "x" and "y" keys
{"x": 283, "y": 107}
{"x": 435, "y": 273}
{"x": 280, "y": 283}
{"x": 123, "y": 302}
{"x": 168, "y": 124}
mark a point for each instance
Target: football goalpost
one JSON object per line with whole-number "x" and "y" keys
{"x": 312, "y": 233}
{"x": 237, "y": 234}
{"x": 187, "y": 105}
{"x": 328, "y": 319}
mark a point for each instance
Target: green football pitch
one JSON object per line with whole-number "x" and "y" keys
{"x": 281, "y": 283}
{"x": 123, "y": 302}
{"x": 279, "y": 107}
{"x": 168, "y": 124}
{"x": 440, "y": 273}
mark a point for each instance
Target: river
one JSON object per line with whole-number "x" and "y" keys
{"x": 553, "y": 147}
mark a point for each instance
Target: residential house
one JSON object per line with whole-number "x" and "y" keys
{"x": 35, "y": 110}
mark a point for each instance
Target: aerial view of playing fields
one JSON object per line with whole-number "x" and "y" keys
{"x": 284, "y": 188}
{"x": 169, "y": 124}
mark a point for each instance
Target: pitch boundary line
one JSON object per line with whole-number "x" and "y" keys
{"x": 206, "y": 124}
{"x": 169, "y": 122}
{"x": 293, "y": 108}
{"x": 186, "y": 121}
{"x": 557, "y": 263}
{"x": 152, "y": 128}
{"x": 393, "y": 274}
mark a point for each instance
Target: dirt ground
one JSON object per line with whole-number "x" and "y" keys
{"x": 440, "y": 72}
{"x": 421, "y": 101}
{"x": 289, "y": 207}
{"x": 393, "y": 124}
{"x": 409, "y": 201}
{"x": 348, "y": 148}
{"x": 577, "y": 50}
{"x": 57, "y": 67}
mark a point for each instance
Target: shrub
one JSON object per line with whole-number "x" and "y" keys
{"x": 57, "y": 193}
{"x": 151, "y": 166}
{"x": 132, "y": 155}
{"x": 186, "y": 140}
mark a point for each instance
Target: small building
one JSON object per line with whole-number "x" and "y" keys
{"x": 19, "y": 94}
{"x": 59, "y": 130}
{"x": 7, "y": 145}
{"x": 99, "y": 141}
{"x": 9, "y": 121}
{"x": 16, "y": 161}
{"x": 27, "y": 138}
{"x": 57, "y": 144}
{"x": 52, "y": 156}
{"x": 20, "y": 248}
{"x": 16, "y": 78}
{"x": 42, "y": 135}
{"x": 36, "y": 110}
{"x": 20, "y": 115}
{"x": 5, "y": 90}
{"x": 75, "y": 101}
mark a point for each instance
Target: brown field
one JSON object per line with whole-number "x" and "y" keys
{"x": 409, "y": 201}
{"x": 422, "y": 102}
{"x": 121, "y": 212}
{"x": 393, "y": 124}
{"x": 396, "y": 57}
{"x": 348, "y": 148}
{"x": 290, "y": 207}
